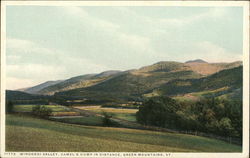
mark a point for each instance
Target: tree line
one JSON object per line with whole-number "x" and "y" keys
{"x": 211, "y": 115}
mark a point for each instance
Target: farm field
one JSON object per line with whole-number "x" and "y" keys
{"x": 57, "y": 110}
{"x": 82, "y": 120}
{"x": 63, "y": 114}
{"x": 28, "y": 108}
{"x": 198, "y": 95}
{"x": 122, "y": 113}
{"x": 42, "y": 135}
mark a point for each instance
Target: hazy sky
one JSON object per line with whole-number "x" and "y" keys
{"x": 51, "y": 43}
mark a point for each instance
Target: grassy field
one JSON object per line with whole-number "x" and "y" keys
{"x": 197, "y": 95}
{"x": 122, "y": 113}
{"x": 24, "y": 133}
{"x": 90, "y": 120}
{"x": 28, "y": 108}
{"x": 57, "y": 110}
{"x": 125, "y": 116}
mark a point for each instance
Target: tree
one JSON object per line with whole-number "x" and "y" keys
{"x": 233, "y": 111}
{"x": 41, "y": 111}
{"x": 9, "y": 107}
{"x": 107, "y": 119}
{"x": 158, "y": 111}
{"x": 226, "y": 126}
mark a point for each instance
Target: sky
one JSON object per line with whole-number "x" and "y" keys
{"x": 59, "y": 42}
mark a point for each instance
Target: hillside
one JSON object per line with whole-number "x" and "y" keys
{"x": 226, "y": 81}
{"x": 132, "y": 85}
{"x": 18, "y": 97}
{"x": 78, "y": 82}
{"x": 60, "y": 137}
{"x": 36, "y": 89}
{"x": 205, "y": 68}
{"x": 196, "y": 61}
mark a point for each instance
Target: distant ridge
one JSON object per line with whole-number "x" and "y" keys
{"x": 131, "y": 82}
{"x": 196, "y": 61}
{"x": 37, "y": 88}
{"x": 108, "y": 73}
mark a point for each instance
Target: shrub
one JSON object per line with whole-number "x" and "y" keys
{"x": 107, "y": 119}
{"x": 41, "y": 111}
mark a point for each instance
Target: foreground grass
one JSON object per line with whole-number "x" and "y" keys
{"x": 25, "y": 133}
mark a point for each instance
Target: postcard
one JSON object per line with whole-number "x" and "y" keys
{"x": 132, "y": 79}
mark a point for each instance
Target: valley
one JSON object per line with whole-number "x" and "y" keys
{"x": 194, "y": 106}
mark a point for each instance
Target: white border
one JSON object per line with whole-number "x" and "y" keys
{"x": 128, "y": 3}
{"x": 3, "y": 49}
{"x": 243, "y": 4}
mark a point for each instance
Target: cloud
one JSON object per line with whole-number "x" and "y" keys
{"x": 91, "y": 44}
{"x": 187, "y": 50}
{"x": 13, "y": 58}
{"x": 213, "y": 13}
{"x": 19, "y": 47}
{"x": 31, "y": 63}
{"x": 80, "y": 66}
{"x": 25, "y": 47}
{"x": 109, "y": 37}
{"x": 20, "y": 51}
{"x": 13, "y": 83}
{"x": 217, "y": 12}
{"x": 81, "y": 14}
{"x": 107, "y": 27}
{"x": 75, "y": 11}
{"x": 35, "y": 71}
{"x": 214, "y": 53}
{"x": 137, "y": 42}
{"x": 18, "y": 43}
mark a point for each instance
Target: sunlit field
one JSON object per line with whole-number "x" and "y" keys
{"x": 122, "y": 113}
{"x": 42, "y": 135}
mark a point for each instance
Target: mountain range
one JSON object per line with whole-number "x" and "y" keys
{"x": 192, "y": 78}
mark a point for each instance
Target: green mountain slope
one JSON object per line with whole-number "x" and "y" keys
{"x": 18, "y": 97}
{"x": 36, "y": 89}
{"x": 77, "y": 82}
{"x": 133, "y": 84}
{"x": 224, "y": 82}
{"x": 165, "y": 78}
{"x": 205, "y": 68}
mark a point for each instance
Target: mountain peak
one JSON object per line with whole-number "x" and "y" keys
{"x": 196, "y": 61}
{"x": 108, "y": 73}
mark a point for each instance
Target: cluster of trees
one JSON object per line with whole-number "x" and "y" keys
{"x": 216, "y": 116}
{"x": 106, "y": 120}
{"x": 37, "y": 110}
{"x": 41, "y": 111}
{"x": 9, "y": 106}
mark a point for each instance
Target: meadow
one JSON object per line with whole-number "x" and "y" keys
{"x": 121, "y": 113}
{"x": 57, "y": 110}
{"x": 36, "y": 134}
{"x": 28, "y": 108}
{"x": 81, "y": 120}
